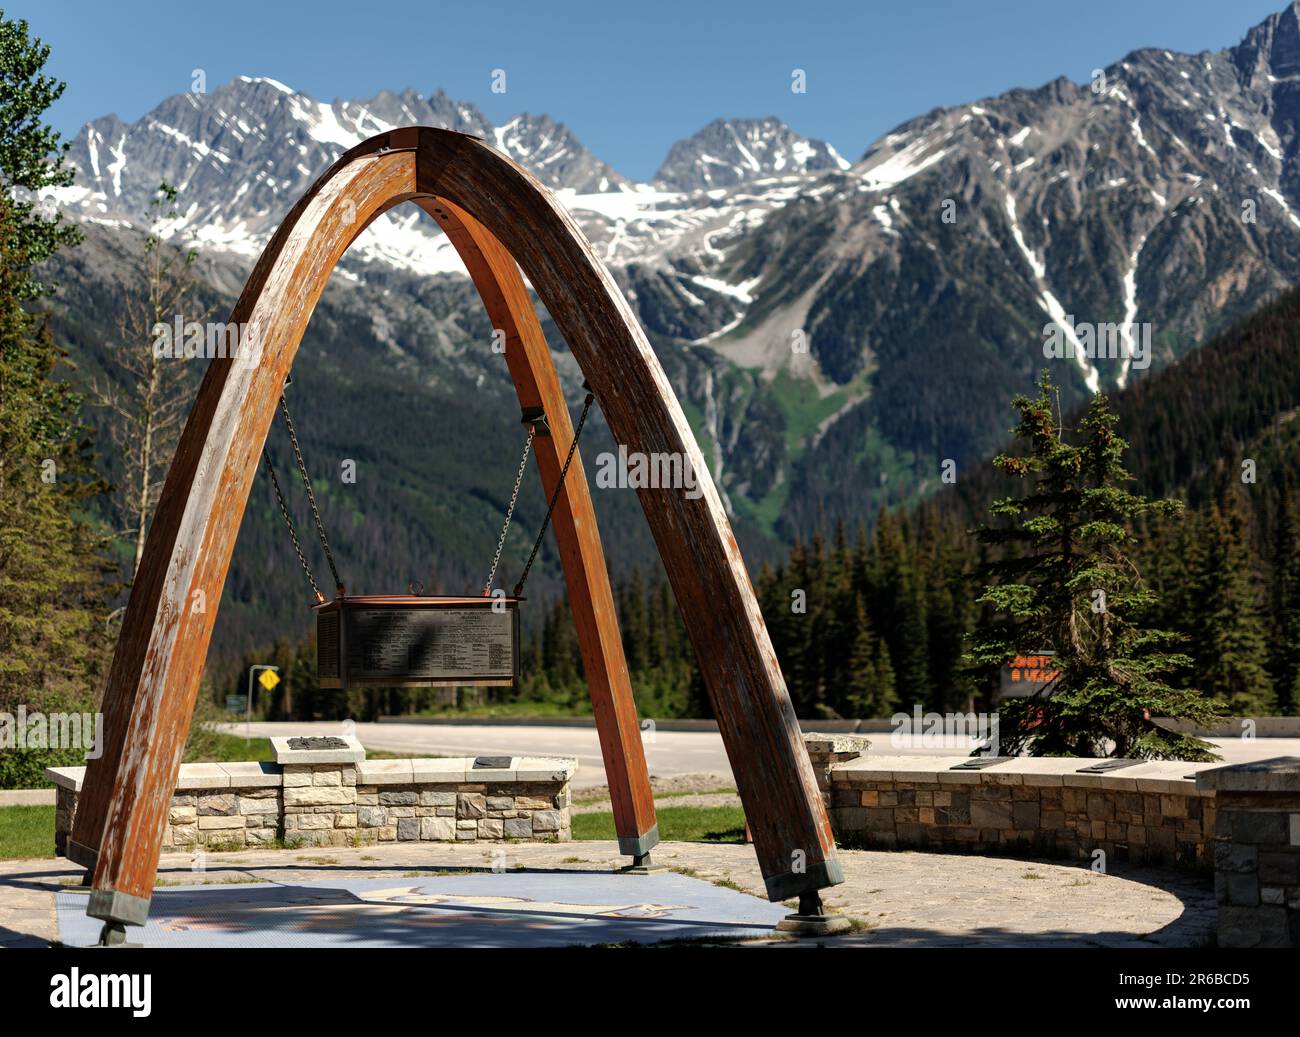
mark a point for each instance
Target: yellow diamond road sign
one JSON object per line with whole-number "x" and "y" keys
{"x": 269, "y": 679}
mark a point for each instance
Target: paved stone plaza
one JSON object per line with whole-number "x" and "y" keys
{"x": 896, "y": 898}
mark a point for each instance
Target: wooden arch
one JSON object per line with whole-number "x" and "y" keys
{"x": 497, "y": 215}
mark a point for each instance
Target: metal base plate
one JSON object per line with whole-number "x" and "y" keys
{"x": 643, "y": 869}
{"x": 814, "y": 925}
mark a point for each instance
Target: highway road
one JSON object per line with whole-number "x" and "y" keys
{"x": 668, "y": 753}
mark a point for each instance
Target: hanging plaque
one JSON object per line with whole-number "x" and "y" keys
{"x": 415, "y": 641}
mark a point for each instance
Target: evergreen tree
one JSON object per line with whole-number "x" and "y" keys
{"x": 53, "y": 641}
{"x": 1286, "y": 604}
{"x": 1230, "y": 642}
{"x": 870, "y": 677}
{"x": 1073, "y": 589}
{"x": 898, "y": 601}
{"x": 634, "y": 621}
{"x": 31, "y": 155}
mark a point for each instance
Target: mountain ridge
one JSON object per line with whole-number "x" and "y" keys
{"x": 832, "y": 336}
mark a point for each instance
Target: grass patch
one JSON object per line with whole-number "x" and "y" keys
{"x": 224, "y": 747}
{"x": 221, "y": 747}
{"x": 720, "y": 790}
{"x": 678, "y": 824}
{"x": 26, "y": 832}
{"x": 805, "y": 408}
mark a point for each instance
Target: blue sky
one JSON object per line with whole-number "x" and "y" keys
{"x": 629, "y": 78}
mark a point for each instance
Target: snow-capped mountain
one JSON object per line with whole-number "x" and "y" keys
{"x": 554, "y": 155}
{"x": 837, "y": 328}
{"x": 1162, "y": 194}
{"x": 241, "y": 155}
{"x": 732, "y": 151}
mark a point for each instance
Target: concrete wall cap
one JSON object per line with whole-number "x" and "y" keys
{"x": 545, "y": 768}
{"x": 203, "y": 776}
{"x": 260, "y": 774}
{"x": 1167, "y": 776}
{"x": 385, "y": 772}
{"x": 822, "y": 742}
{"x": 66, "y": 777}
{"x": 354, "y": 753}
{"x": 1280, "y": 774}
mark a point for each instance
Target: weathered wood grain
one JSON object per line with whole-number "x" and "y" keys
{"x": 600, "y": 641}
{"x": 774, "y": 777}
{"x": 169, "y": 619}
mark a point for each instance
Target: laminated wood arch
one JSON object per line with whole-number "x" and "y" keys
{"x": 497, "y": 215}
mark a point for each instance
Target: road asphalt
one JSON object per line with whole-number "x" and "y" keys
{"x": 668, "y": 753}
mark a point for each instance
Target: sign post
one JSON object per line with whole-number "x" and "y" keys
{"x": 269, "y": 679}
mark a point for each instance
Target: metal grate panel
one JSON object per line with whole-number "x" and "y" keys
{"x": 327, "y": 644}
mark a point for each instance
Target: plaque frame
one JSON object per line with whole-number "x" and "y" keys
{"x": 335, "y": 628}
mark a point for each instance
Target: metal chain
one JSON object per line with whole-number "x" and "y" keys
{"x": 510, "y": 511}
{"x": 288, "y": 521}
{"x": 311, "y": 497}
{"x": 550, "y": 508}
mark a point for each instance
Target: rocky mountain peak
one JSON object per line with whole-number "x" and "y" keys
{"x": 1271, "y": 50}
{"x": 731, "y": 151}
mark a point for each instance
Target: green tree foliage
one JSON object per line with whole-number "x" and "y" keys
{"x": 880, "y": 624}
{"x": 1229, "y": 638}
{"x": 1286, "y": 604}
{"x": 52, "y": 636}
{"x": 31, "y": 156}
{"x": 1071, "y": 587}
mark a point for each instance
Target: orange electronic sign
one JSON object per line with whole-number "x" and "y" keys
{"x": 1026, "y": 675}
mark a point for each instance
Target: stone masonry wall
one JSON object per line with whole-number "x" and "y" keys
{"x": 1150, "y": 813}
{"x": 1257, "y": 852}
{"x": 522, "y": 810}
{"x": 998, "y": 812}
{"x": 230, "y": 806}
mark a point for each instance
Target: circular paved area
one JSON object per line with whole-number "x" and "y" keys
{"x": 897, "y": 898}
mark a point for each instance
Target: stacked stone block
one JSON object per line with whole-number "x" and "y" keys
{"x": 1257, "y": 852}
{"x": 339, "y": 801}
{"x": 825, "y": 751}
{"x": 1149, "y": 813}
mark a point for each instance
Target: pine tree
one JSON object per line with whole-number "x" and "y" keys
{"x": 1073, "y": 589}
{"x": 53, "y": 642}
{"x": 1229, "y": 636}
{"x": 634, "y": 621}
{"x": 1286, "y": 604}
{"x": 31, "y": 155}
{"x": 870, "y": 677}
{"x": 791, "y": 615}
{"x": 899, "y": 601}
